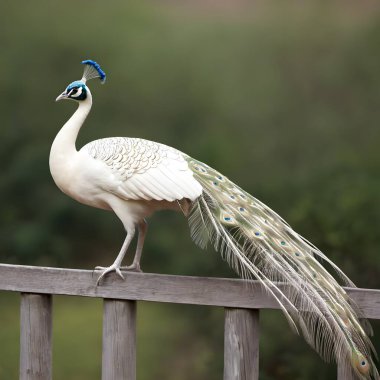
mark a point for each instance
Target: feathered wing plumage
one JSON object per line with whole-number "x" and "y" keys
{"x": 259, "y": 244}
{"x": 145, "y": 170}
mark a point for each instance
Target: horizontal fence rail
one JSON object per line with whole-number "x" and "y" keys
{"x": 158, "y": 288}
{"x": 241, "y": 300}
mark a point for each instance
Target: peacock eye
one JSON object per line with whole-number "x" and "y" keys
{"x": 74, "y": 90}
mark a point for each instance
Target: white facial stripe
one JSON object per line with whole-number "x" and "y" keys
{"x": 78, "y": 93}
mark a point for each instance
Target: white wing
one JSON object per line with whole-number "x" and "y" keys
{"x": 145, "y": 169}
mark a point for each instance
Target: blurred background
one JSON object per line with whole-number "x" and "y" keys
{"x": 282, "y": 97}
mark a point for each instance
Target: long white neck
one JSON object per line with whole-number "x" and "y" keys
{"x": 63, "y": 152}
{"x": 63, "y": 147}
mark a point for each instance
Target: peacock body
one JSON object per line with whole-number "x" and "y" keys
{"x": 135, "y": 177}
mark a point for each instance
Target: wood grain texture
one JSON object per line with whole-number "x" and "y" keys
{"x": 35, "y": 337}
{"x": 159, "y": 288}
{"x": 119, "y": 340}
{"x": 241, "y": 344}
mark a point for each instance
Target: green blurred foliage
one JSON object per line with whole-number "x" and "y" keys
{"x": 282, "y": 97}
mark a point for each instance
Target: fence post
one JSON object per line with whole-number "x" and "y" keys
{"x": 119, "y": 340}
{"x": 35, "y": 337}
{"x": 241, "y": 344}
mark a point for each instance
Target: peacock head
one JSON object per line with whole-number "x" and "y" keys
{"x": 78, "y": 90}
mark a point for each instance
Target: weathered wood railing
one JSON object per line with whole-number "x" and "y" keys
{"x": 242, "y": 302}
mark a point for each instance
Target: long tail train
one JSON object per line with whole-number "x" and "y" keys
{"x": 259, "y": 244}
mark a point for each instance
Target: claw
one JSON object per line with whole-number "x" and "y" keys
{"x": 106, "y": 270}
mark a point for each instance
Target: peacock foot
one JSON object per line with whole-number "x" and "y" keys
{"x": 132, "y": 268}
{"x": 106, "y": 270}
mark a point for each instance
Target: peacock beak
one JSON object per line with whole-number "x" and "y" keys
{"x": 64, "y": 95}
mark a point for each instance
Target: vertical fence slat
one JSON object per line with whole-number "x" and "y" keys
{"x": 241, "y": 344}
{"x": 345, "y": 372}
{"x": 119, "y": 340}
{"x": 36, "y": 337}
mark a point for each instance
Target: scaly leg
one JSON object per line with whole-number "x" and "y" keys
{"x": 135, "y": 266}
{"x": 115, "y": 267}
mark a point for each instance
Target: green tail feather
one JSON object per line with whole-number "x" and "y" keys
{"x": 259, "y": 244}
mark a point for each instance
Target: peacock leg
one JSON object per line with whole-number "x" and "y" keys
{"x": 115, "y": 267}
{"x": 135, "y": 266}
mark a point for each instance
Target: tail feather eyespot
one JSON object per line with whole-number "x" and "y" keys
{"x": 227, "y": 219}
{"x": 361, "y": 363}
{"x": 258, "y": 234}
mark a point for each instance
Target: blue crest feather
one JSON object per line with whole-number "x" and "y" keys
{"x": 92, "y": 70}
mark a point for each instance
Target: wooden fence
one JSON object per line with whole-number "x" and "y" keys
{"x": 242, "y": 303}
